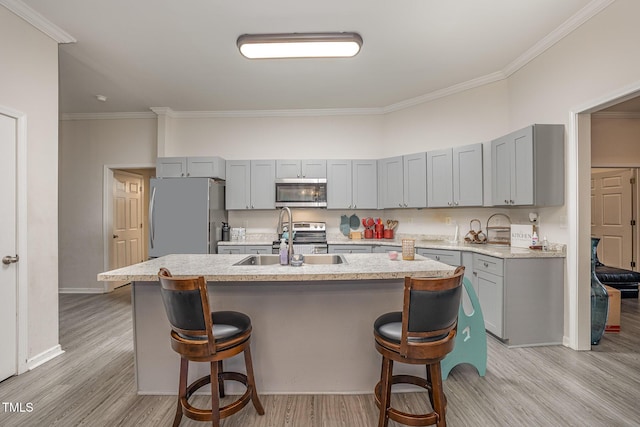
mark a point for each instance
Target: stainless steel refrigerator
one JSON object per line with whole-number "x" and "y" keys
{"x": 185, "y": 216}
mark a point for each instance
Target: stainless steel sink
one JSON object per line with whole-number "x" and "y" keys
{"x": 260, "y": 260}
{"x": 324, "y": 259}
{"x": 308, "y": 259}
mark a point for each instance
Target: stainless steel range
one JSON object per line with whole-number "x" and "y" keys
{"x": 308, "y": 238}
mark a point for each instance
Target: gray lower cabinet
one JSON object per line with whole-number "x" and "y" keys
{"x": 522, "y": 299}
{"x": 230, "y": 250}
{"x": 380, "y": 249}
{"x": 443, "y": 255}
{"x": 244, "y": 249}
{"x": 349, "y": 249}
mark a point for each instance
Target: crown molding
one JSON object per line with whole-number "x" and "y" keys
{"x": 38, "y": 21}
{"x": 451, "y": 90}
{"x": 567, "y": 27}
{"x": 107, "y": 116}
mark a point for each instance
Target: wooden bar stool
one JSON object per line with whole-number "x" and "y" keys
{"x": 201, "y": 336}
{"x": 422, "y": 333}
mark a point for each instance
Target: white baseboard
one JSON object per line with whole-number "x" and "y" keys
{"x": 43, "y": 357}
{"x": 81, "y": 291}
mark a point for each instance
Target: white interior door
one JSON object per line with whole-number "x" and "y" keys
{"x": 127, "y": 220}
{"x": 8, "y": 271}
{"x": 611, "y": 215}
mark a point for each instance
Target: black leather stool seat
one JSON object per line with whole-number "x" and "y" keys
{"x": 389, "y": 326}
{"x": 226, "y": 325}
{"x": 624, "y": 280}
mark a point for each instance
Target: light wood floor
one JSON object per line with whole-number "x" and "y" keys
{"x": 92, "y": 384}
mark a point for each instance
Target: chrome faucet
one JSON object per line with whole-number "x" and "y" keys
{"x": 289, "y": 230}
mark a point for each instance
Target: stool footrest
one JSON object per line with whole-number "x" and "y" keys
{"x": 230, "y": 409}
{"x": 405, "y": 417}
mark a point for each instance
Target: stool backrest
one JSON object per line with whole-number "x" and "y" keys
{"x": 186, "y": 302}
{"x": 430, "y": 309}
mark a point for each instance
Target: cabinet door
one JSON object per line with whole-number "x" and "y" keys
{"x": 490, "y": 295}
{"x": 288, "y": 169}
{"x": 522, "y": 172}
{"x": 263, "y": 177}
{"x": 238, "y": 185}
{"x": 391, "y": 189}
{"x": 314, "y": 168}
{"x": 439, "y": 182}
{"x": 501, "y": 171}
{"x": 415, "y": 180}
{"x": 467, "y": 175}
{"x": 365, "y": 184}
{"x": 205, "y": 167}
{"x": 171, "y": 167}
{"x": 339, "y": 184}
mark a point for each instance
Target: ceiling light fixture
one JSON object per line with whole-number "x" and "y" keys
{"x": 299, "y": 45}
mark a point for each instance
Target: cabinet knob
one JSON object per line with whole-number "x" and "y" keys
{"x": 188, "y": 174}
{"x": 506, "y": 201}
{"x": 405, "y": 205}
{"x": 182, "y": 174}
{"x": 449, "y": 203}
{"x": 456, "y": 203}
{"x": 511, "y": 201}
{"x": 400, "y": 204}
{"x": 486, "y": 264}
{"x": 246, "y": 207}
{"x": 252, "y": 207}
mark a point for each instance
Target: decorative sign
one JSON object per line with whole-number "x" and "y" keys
{"x": 521, "y": 235}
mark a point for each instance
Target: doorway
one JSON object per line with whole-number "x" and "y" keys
{"x": 613, "y": 215}
{"x": 125, "y": 217}
{"x": 8, "y": 248}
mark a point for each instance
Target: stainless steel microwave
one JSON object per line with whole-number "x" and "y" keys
{"x": 301, "y": 192}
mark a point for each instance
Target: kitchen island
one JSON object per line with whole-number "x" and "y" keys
{"x": 312, "y": 325}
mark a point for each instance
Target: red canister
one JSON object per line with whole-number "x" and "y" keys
{"x": 379, "y": 228}
{"x": 368, "y": 233}
{"x": 388, "y": 233}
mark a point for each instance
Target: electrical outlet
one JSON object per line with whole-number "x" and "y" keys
{"x": 447, "y": 220}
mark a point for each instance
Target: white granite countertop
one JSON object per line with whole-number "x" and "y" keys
{"x": 220, "y": 268}
{"x": 500, "y": 251}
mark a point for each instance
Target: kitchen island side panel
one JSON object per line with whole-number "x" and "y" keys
{"x": 314, "y": 337}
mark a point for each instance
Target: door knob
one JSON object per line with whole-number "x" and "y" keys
{"x": 10, "y": 259}
{"x": 115, "y": 236}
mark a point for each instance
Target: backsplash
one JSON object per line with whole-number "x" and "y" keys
{"x": 437, "y": 223}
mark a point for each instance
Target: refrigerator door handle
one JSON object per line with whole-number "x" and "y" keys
{"x": 152, "y": 228}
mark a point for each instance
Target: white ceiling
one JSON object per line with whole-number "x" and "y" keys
{"x": 183, "y": 54}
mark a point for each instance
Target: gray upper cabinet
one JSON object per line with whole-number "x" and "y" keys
{"x": 352, "y": 184}
{"x": 527, "y": 167}
{"x": 454, "y": 177}
{"x": 250, "y": 184}
{"x": 403, "y": 181}
{"x": 192, "y": 167}
{"x": 301, "y": 168}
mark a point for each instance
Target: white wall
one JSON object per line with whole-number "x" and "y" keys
{"x": 86, "y": 146}
{"x": 615, "y": 142}
{"x": 29, "y": 84}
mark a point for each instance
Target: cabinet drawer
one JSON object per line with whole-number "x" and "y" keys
{"x": 488, "y": 264}
{"x": 349, "y": 249}
{"x": 442, "y": 255}
{"x": 258, "y": 249}
{"x": 226, "y": 250}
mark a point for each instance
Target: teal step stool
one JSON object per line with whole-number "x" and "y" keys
{"x": 471, "y": 340}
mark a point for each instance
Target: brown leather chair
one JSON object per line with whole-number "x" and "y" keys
{"x": 422, "y": 333}
{"x": 201, "y": 336}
